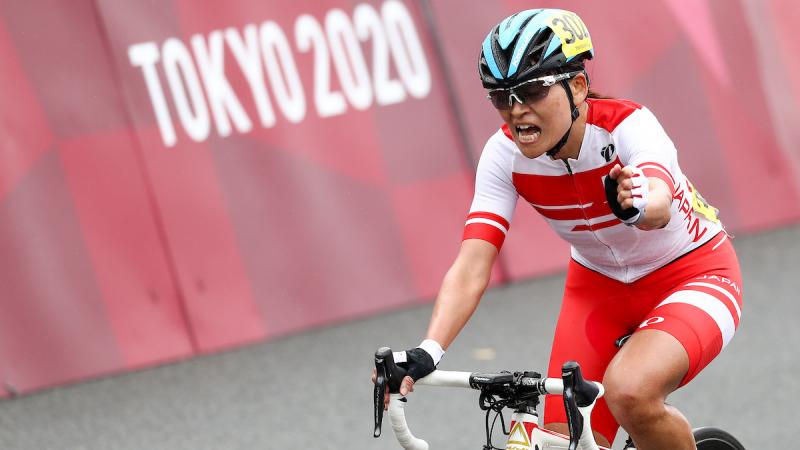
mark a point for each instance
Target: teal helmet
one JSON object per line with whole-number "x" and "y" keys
{"x": 533, "y": 43}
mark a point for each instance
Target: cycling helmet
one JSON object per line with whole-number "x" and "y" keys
{"x": 532, "y": 43}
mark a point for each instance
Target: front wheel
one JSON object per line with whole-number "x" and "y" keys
{"x": 709, "y": 438}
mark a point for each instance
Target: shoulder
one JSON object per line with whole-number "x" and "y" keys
{"x": 624, "y": 119}
{"x": 609, "y": 113}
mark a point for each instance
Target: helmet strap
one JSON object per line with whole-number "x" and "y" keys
{"x": 574, "y": 112}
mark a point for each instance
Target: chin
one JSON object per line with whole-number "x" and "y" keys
{"x": 532, "y": 151}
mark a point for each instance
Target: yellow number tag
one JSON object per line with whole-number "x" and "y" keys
{"x": 572, "y": 32}
{"x": 701, "y": 206}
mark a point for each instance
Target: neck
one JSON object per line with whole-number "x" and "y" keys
{"x": 572, "y": 148}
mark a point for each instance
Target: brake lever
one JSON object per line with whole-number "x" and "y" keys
{"x": 380, "y": 389}
{"x": 578, "y": 393}
{"x": 574, "y": 417}
{"x": 387, "y": 373}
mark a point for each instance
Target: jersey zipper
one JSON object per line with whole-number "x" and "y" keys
{"x": 591, "y": 230}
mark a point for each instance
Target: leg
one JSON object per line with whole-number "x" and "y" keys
{"x": 588, "y": 324}
{"x": 677, "y": 339}
{"x": 649, "y": 367}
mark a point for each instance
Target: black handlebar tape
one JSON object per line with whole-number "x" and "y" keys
{"x": 611, "y": 197}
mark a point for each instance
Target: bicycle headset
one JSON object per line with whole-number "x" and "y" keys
{"x": 536, "y": 43}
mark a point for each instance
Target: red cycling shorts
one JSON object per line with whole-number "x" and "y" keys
{"x": 697, "y": 299}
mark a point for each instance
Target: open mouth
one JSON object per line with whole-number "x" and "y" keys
{"x": 528, "y": 134}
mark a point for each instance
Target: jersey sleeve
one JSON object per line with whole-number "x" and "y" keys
{"x": 644, "y": 143}
{"x": 495, "y": 195}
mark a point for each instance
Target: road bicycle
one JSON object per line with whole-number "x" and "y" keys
{"x": 519, "y": 391}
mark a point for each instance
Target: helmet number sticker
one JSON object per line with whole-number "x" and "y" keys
{"x": 572, "y": 32}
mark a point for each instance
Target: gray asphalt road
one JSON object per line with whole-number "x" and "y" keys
{"x": 313, "y": 390}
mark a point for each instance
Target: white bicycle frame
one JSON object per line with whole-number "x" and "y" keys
{"x": 525, "y": 431}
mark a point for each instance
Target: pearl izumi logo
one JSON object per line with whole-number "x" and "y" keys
{"x": 608, "y": 152}
{"x": 651, "y": 321}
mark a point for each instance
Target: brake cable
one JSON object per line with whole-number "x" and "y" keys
{"x": 507, "y": 396}
{"x": 489, "y": 403}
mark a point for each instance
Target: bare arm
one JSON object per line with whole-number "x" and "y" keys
{"x": 461, "y": 290}
{"x": 658, "y": 206}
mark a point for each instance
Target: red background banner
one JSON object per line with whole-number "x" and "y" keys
{"x": 182, "y": 177}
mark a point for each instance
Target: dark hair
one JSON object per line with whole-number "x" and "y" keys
{"x": 595, "y": 94}
{"x": 579, "y": 67}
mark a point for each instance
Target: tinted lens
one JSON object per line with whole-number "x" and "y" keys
{"x": 499, "y": 99}
{"x": 527, "y": 93}
{"x": 532, "y": 92}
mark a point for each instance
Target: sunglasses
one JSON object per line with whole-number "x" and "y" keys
{"x": 530, "y": 91}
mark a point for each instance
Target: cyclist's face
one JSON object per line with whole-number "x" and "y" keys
{"x": 538, "y": 124}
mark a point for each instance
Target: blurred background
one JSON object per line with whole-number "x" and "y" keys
{"x": 179, "y": 178}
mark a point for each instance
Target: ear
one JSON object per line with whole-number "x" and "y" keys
{"x": 580, "y": 88}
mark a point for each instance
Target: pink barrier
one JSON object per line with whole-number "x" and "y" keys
{"x": 86, "y": 287}
{"x": 181, "y": 177}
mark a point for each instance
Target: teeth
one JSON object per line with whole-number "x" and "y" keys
{"x": 529, "y": 138}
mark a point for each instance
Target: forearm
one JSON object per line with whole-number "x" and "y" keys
{"x": 658, "y": 212}
{"x": 458, "y": 298}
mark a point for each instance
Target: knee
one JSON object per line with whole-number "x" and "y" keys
{"x": 632, "y": 402}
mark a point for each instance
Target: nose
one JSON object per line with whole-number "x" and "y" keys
{"x": 518, "y": 108}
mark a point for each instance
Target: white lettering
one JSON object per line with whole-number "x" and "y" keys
{"x": 348, "y": 59}
{"x": 146, "y": 55}
{"x": 179, "y": 68}
{"x": 368, "y": 24}
{"x": 724, "y": 280}
{"x": 282, "y": 72}
{"x": 406, "y": 48}
{"x": 308, "y": 33}
{"x": 221, "y": 98}
{"x": 249, "y": 59}
{"x": 203, "y": 90}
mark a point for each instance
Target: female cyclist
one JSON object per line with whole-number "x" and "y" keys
{"x": 649, "y": 256}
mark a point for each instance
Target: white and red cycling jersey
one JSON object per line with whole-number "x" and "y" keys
{"x": 570, "y": 193}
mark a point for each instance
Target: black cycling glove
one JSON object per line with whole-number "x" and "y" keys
{"x": 420, "y": 361}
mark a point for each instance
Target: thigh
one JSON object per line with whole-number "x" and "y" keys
{"x": 590, "y": 321}
{"x": 702, "y": 312}
{"x": 648, "y": 368}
